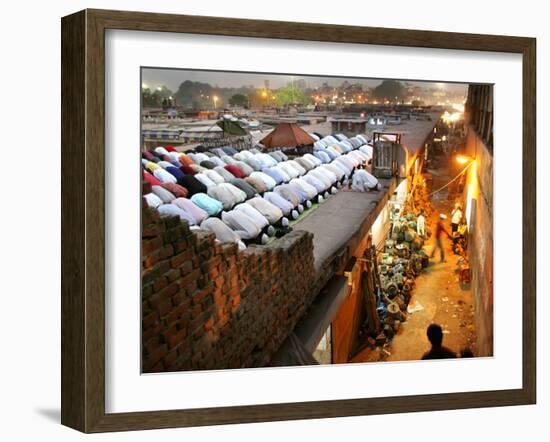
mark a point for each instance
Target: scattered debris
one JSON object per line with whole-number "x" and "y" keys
{"x": 416, "y": 307}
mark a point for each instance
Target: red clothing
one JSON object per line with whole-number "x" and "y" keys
{"x": 188, "y": 170}
{"x": 235, "y": 170}
{"x": 176, "y": 189}
{"x": 170, "y": 148}
{"x": 150, "y": 179}
{"x": 440, "y": 229}
{"x": 147, "y": 155}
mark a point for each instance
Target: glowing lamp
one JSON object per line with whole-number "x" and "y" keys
{"x": 463, "y": 159}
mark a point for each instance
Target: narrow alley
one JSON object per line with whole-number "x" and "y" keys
{"x": 438, "y": 297}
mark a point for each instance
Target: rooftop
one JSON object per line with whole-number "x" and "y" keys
{"x": 338, "y": 225}
{"x": 414, "y": 132}
{"x": 338, "y": 220}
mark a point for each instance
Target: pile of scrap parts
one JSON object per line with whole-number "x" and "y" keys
{"x": 398, "y": 263}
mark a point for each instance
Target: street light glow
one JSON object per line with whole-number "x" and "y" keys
{"x": 463, "y": 159}
{"x": 449, "y": 118}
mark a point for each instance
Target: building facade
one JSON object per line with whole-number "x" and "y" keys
{"x": 478, "y": 198}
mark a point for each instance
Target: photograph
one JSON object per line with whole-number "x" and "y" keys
{"x": 295, "y": 220}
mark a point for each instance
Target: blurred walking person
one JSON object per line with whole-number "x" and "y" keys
{"x": 439, "y": 231}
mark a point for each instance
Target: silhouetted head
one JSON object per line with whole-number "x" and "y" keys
{"x": 467, "y": 353}
{"x": 435, "y": 335}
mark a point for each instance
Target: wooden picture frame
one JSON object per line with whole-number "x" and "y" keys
{"x": 83, "y": 219}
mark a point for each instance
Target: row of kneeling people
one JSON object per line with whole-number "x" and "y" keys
{"x": 242, "y": 195}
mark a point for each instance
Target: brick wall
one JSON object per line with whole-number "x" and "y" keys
{"x": 206, "y": 305}
{"x": 480, "y": 246}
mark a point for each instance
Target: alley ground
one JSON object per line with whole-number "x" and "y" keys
{"x": 438, "y": 297}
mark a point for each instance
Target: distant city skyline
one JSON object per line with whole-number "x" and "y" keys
{"x": 172, "y": 78}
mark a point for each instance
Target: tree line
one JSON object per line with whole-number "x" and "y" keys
{"x": 199, "y": 95}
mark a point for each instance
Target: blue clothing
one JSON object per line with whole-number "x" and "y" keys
{"x": 315, "y": 182}
{"x": 324, "y": 156}
{"x": 303, "y": 196}
{"x": 217, "y": 161}
{"x": 229, "y": 150}
{"x": 274, "y": 173}
{"x": 275, "y": 156}
{"x": 208, "y": 204}
{"x": 218, "y": 151}
{"x": 254, "y": 163}
{"x": 277, "y": 200}
{"x": 331, "y": 154}
{"x": 177, "y": 173}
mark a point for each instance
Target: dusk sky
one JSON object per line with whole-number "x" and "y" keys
{"x": 172, "y": 78}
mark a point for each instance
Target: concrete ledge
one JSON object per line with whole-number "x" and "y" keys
{"x": 343, "y": 220}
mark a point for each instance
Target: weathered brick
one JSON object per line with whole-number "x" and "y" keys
{"x": 154, "y": 330}
{"x": 179, "y": 259}
{"x": 186, "y": 267}
{"x": 181, "y": 245}
{"x": 189, "y": 278}
{"x": 170, "y": 359}
{"x": 197, "y": 323}
{"x": 145, "y": 307}
{"x": 176, "y": 337}
{"x": 163, "y": 295}
{"x": 150, "y": 245}
{"x": 165, "y": 307}
{"x": 196, "y": 310}
{"x": 150, "y": 231}
{"x": 179, "y": 312}
{"x": 166, "y": 251}
{"x": 151, "y": 345}
{"x": 212, "y": 306}
{"x": 209, "y": 324}
{"x": 155, "y": 356}
{"x": 199, "y": 295}
{"x": 151, "y": 259}
{"x": 151, "y": 274}
{"x": 147, "y": 290}
{"x": 207, "y": 302}
{"x": 150, "y": 319}
{"x": 160, "y": 283}
{"x": 173, "y": 274}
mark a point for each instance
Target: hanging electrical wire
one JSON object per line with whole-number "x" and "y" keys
{"x": 452, "y": 181}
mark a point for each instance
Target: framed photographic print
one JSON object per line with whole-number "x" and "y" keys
{"x": 267, "y": 220}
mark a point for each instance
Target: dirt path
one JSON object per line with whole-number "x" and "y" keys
{"x": 439, "y": 298}
{"x": 443, "y": 300}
